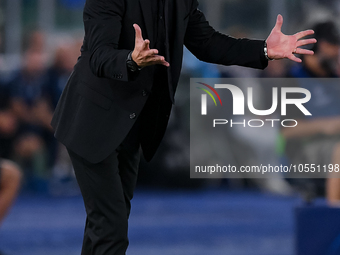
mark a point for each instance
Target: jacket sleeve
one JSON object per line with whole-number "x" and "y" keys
{"x": 211, "y": 46}
{"x": 102, "y": 22}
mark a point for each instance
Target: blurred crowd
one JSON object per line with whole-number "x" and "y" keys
{"x": 28, "y": 97}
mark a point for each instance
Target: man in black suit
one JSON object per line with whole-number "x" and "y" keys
{"x": 118, "y": 99}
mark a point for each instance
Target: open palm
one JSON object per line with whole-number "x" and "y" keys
{"x": 285, "y": 46}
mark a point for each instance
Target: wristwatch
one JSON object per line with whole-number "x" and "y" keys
{"x": 266, "y": 51}
{"x": 132, "y": 65}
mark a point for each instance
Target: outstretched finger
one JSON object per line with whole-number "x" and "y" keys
{"x": 164, "y": 63}
{"x": 151, "y": 53}
{"x": 161, "y": 62}
{"x": 138, "y": 31}
{"x": 303, "y": 33}
{"x": 146, "y": 44}
{"x": 304, "y": 51}
{"x": 294, "y": 58}
{"x": 305, "y": 42}
{"x": 279, "y": 22}
{"x": 158, "y": 60}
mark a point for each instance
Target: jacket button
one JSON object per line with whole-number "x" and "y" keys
{"x": 144, "y": 93}
{"x": 132, "y": 115}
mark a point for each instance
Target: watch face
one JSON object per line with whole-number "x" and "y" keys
{"x": 132, "y": 66}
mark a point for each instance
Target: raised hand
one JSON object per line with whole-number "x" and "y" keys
{"x": 285, "y": 46}
{"x": 142, "y": 54}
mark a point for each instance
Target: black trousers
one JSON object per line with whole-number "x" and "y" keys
{"x": 107, "y": 188}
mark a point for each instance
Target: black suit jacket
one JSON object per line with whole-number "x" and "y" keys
{"x": 102, "y": 100}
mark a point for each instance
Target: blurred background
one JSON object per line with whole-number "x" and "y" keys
{"x": 40, "y": 42}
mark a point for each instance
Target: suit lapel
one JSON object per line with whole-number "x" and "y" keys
{"x": 172, "y": 21}
{"x": 147, "y": 15}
